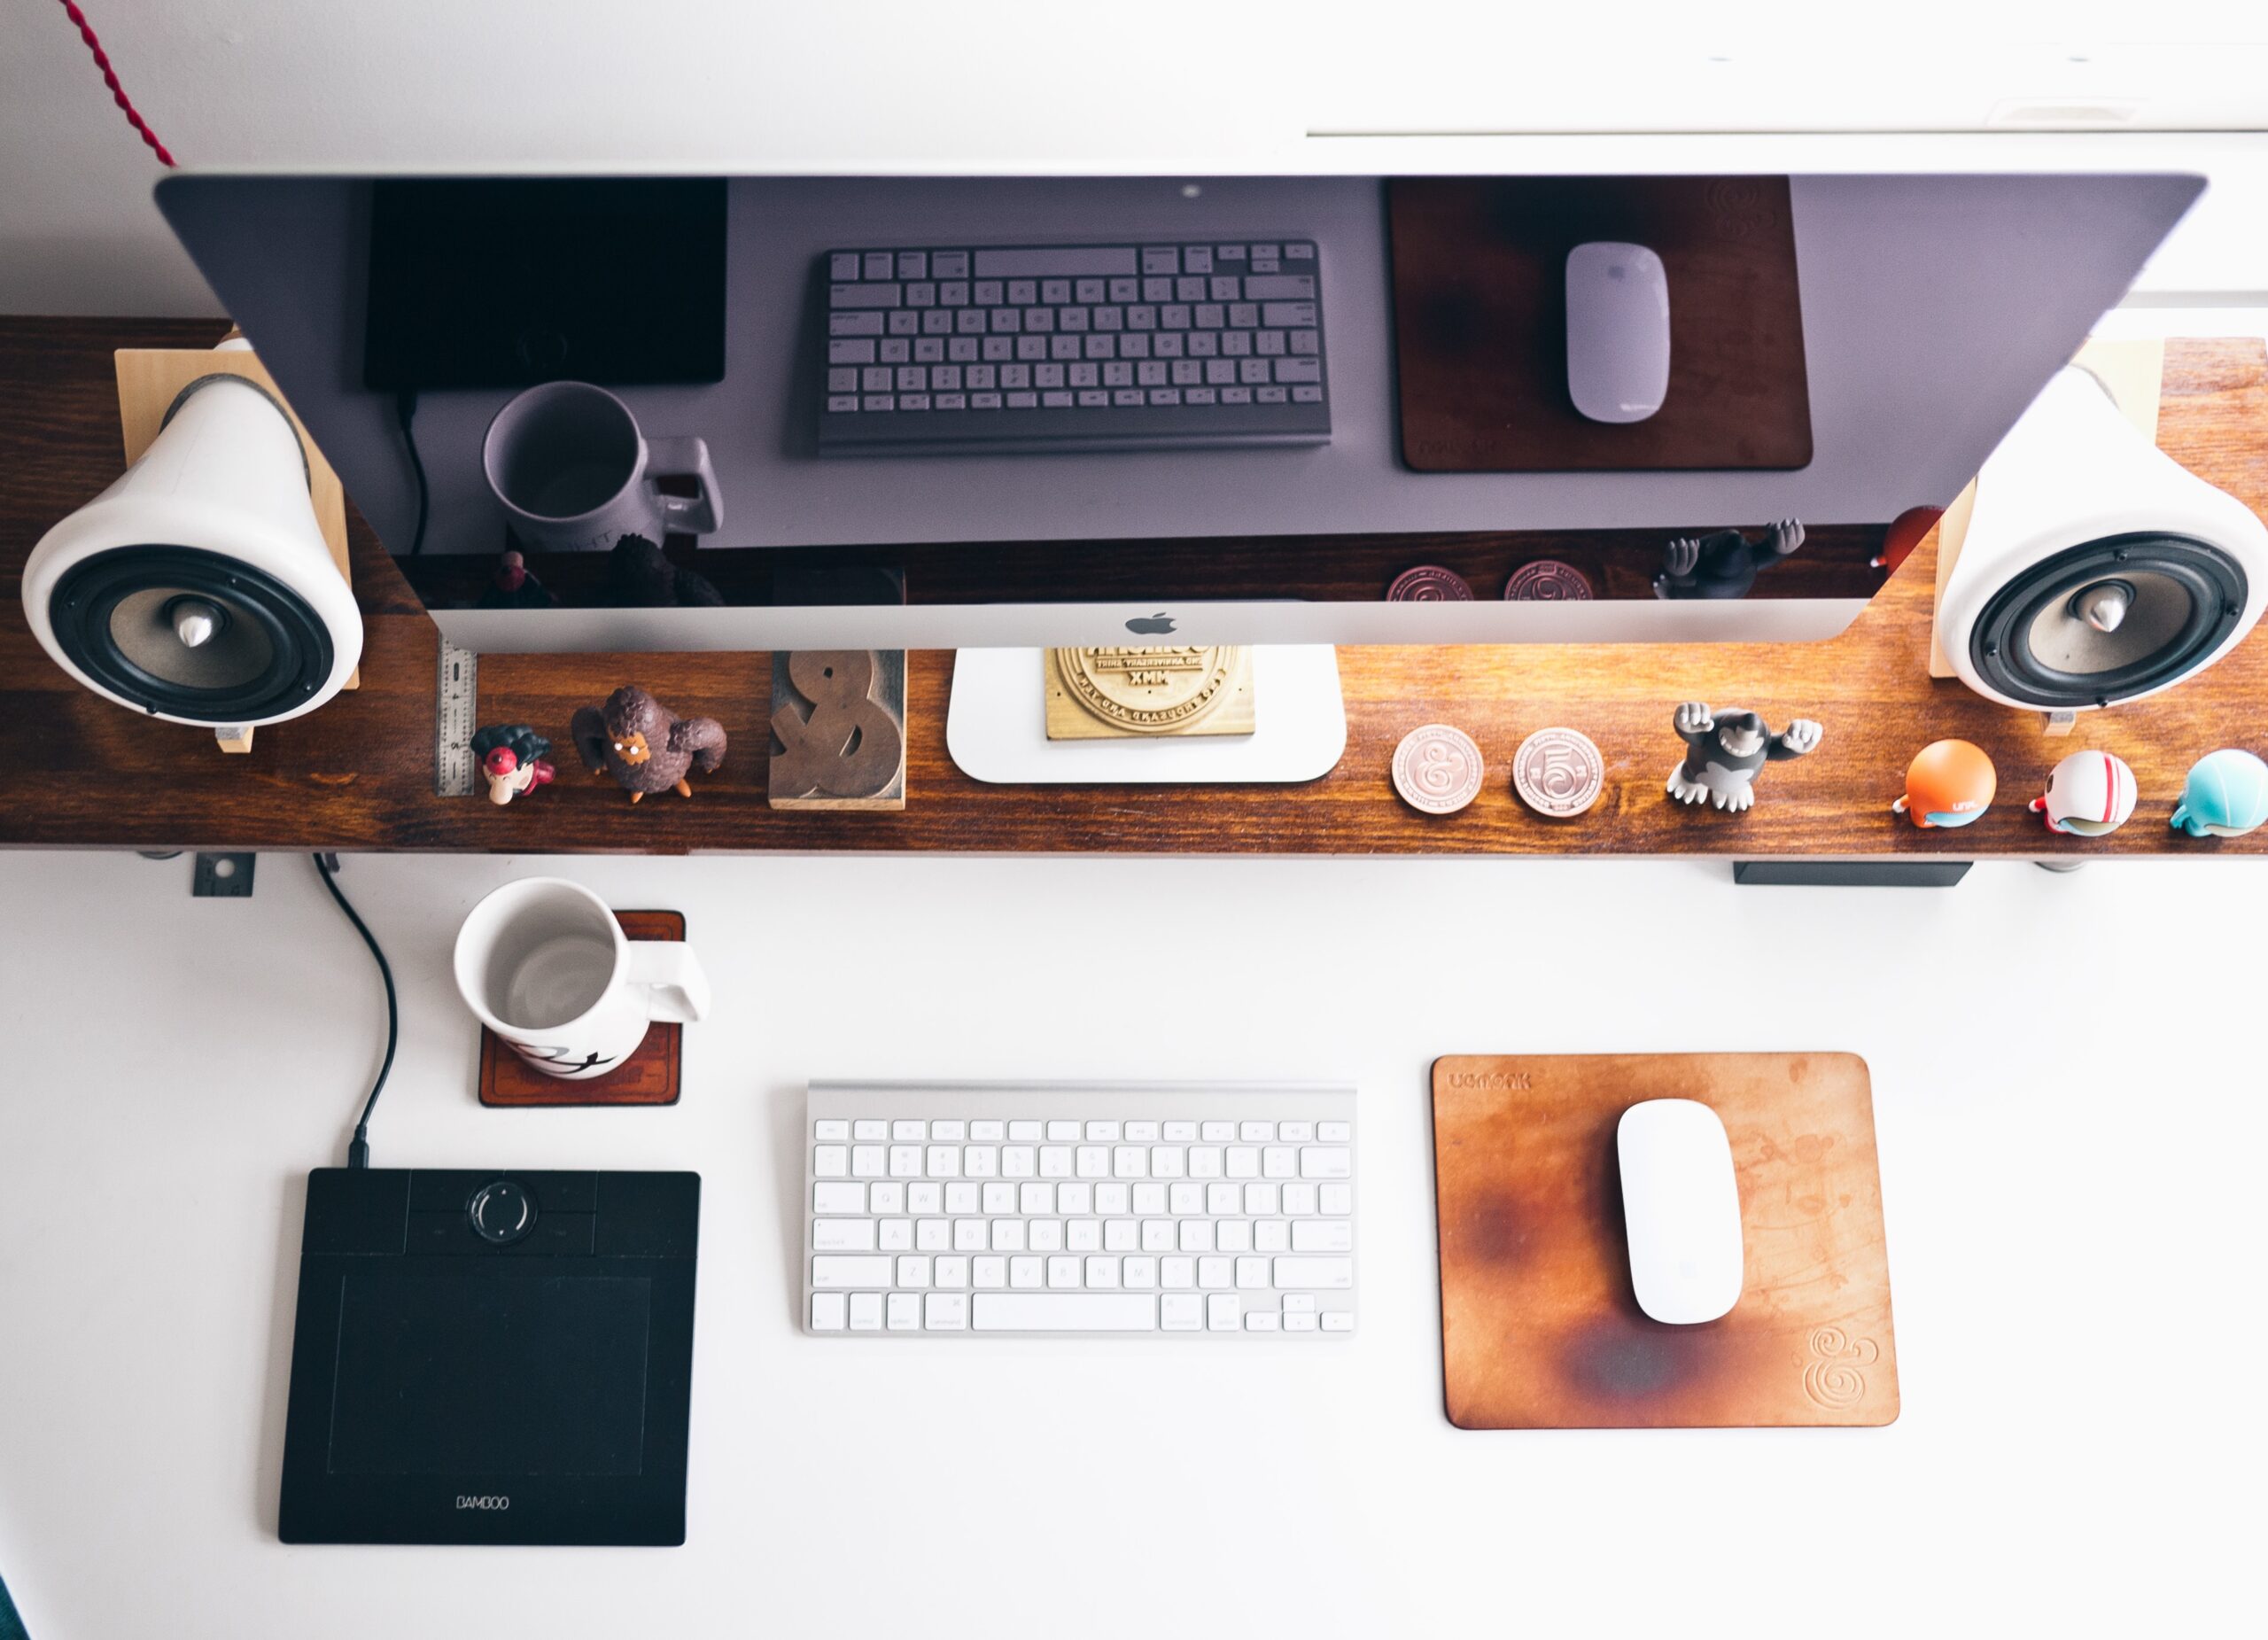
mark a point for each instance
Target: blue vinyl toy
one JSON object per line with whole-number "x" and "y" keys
{"x": 2225, "y": 796}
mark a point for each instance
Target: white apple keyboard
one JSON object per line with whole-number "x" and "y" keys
{"x": 1045, "y": 1208}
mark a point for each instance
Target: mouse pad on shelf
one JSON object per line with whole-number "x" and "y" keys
{"x": 648, "y": 1077}
{"x": 1480, "y": 329}
{"x": 1540, "y": 1328}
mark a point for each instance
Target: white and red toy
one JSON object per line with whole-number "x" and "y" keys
{"x": 2091, "y": 794}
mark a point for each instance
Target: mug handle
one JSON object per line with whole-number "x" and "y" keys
{"x": 675, "y": 984}
{"x": 685, "y": 458}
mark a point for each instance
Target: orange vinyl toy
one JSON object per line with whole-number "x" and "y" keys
{"x": 1948, "y": 783}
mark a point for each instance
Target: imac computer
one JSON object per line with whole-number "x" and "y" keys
{"x": 1004, "y": 412}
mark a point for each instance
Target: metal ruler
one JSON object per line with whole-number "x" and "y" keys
{"x": 457, "y": 697}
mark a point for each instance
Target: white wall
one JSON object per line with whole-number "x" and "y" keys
{"x": 985, "y": 84}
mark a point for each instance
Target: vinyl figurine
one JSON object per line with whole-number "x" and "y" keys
{"x": 1948, "y": 783}
{"x": 2225, "y": 796}
{"x": 645, "y": 746}
{"x": 2091, "y": 794}
{"x": 1723, "y": 754}
{"x": 511, "y": 760}
{"x": 1724, "y": 564}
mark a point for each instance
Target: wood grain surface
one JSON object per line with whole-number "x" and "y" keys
{"x": 648, "y": 1077}
{"x": 359, "y": 773}
{"x": 1540, "y": 1328}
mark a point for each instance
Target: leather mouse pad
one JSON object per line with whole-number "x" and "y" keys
{"x": 1480, "y": 322}
{"x": 1540, "y": 1328}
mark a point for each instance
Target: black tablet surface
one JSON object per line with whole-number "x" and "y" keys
{"x": 492, "y": 1357}
{"x": 505, "y": 282}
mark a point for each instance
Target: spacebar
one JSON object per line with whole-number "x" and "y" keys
{"x": 1069, "y": 261}
{"x": 1064, "y": 1312}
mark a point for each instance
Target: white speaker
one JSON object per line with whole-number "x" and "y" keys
{"x": 199, "y": 587}
{"x": 2096, "y": 568}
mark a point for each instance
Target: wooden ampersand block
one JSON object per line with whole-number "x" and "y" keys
{"x": 838, "y": 729}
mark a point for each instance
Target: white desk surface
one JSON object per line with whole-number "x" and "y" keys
{"x": 2067, "y": 1085}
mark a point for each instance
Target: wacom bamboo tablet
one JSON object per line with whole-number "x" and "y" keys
{"x": 492, "y": 1357}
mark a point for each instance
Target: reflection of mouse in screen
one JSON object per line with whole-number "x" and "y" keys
{"x": 1617, "y": 330}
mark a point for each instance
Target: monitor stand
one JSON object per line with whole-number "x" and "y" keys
{"x": 996, "y": 727}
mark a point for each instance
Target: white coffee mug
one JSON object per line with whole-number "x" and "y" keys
{"x": 543, "y": 964}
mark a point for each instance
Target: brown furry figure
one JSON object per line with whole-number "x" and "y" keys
{"x": 644, "y": 745}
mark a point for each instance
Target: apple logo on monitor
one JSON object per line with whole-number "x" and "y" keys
{"x": 1147, "y": 625}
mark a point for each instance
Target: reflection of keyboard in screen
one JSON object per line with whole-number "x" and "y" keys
{"x": 1074, "y": 347}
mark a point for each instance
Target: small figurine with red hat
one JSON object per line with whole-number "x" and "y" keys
{"x": 512, "y": 760}
{"x": 2091, "y": 794}
{"x": 1949, "y": 784}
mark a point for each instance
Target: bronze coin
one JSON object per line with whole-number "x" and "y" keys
{"x": 1547, "y": 580}
{"x": 1429, "y": 583}
{"x": 1149, "y": 691}
{"x": 1558, "y": 773}
{"x": 1437, "y": 769}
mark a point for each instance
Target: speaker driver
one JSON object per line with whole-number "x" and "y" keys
{"x": 2107, "y": 620}
{"x": 191, "y": 635}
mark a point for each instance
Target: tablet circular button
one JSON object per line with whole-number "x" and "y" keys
{"x": 501, "y": 1212}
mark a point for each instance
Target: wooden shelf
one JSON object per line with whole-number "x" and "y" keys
{"x": 358, "y": 775}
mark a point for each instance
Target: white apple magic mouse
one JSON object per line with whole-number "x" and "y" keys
{"x": 1617, "y": 330}
{"x": 1680, "y": 1205}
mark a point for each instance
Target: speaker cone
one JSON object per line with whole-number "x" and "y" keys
{"x": 190, "y": 633}
{"x": 2107, "y": 620}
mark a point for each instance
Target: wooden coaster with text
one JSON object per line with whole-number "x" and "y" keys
{"x": 648, "y": 1077}
{"x": 1141, "y": 694}
{"x": 1540, "y": 1328}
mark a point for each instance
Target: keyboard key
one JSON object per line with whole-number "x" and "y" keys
{"x": 1323, "y": 1235}
{"x": 1244, "y": 1161}
{"x": 863, "y": 296}
{"x": 1173, "y": 1133}
{"x": 1083, "y": 1235}
{"x": 1213, "y": 1272}
{"x": 1185, "y": 1201}
{"x": 1102, "y": 1271}
{"x": 838, "y": 1198}
{"x": 831, "y": 1312}
{"x": 864, "y": 1130}
{"x": 933, "y": 1235}
{"x": 1273, "y": 1235}
{"x": 989, "y": 1273}
{"x": 1181, "y": 1312}
{"x": 1160, "y": 259}
{"x": 1063, "y": 1271}
{"x": 1278, "y": 1161}
{"x": 851, "y": 1272}
{"x": 1216, "y": 1132}
{"x": 1141, "y": 1272}
{"x": 904, "y": 1312}
{"x": 912, "y": 1270}
{"x": 1177, "y": 1272}
{"x": 1279, "y": 287}
{"x": 885, "y": 1196}
{"x": 1197, "y": 1235}
{"x": 1325, "y": 1162}
{"x": 1299, "y": 1323}
{"x": 1224, "y": 1312}
{"x": 1149, "y": 1200}
{"x": 1297, "y": 369}
{"x": 973, "y": 1235}
{"x": 1299, "y": 1200}
{"x": 1338, "y": 1199}
{"x": 946, "y": 1312}
{"x": 1025, "y": 1272}
{"x": 896, "y": 1235}
{"x": 830, "y": 1160}
{"x": 1252, "y": 1272}
{"x": 1260, "y": 1322}
{"x": 949, "y": 264}
{"x": 988, "y": 1132}
{"x": 1024, "y": 1132}
{"x": 1339, "y": 1321}
{"x": 1038, "y": 1199}
{"x": 842, "y": 1235}
{"x": 1234, "y": 1235}
{"x": 1008, "y": 1235}
{"x": 879, "y": 264}
{"x": 951, "y": 1270}
{"x": 866, "y": 1312}
{"x": 1323, "y": 1274}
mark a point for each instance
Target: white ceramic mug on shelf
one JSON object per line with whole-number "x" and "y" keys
{"x": 543, "y": 963}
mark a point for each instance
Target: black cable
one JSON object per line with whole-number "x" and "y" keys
{"x": 358, "y": 1149}
{"x": 405, "y": 412}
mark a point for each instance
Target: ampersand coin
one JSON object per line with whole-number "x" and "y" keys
{"x": 1547, "y": 580}
{"x": 1429, "y": 583}
{"x": 1437, "y": 769}
{"x": 1558, "y": 773}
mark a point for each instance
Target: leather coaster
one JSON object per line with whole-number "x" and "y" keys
{"x": 648, "y": 1077}
{"x": 1539, "y": 1329}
